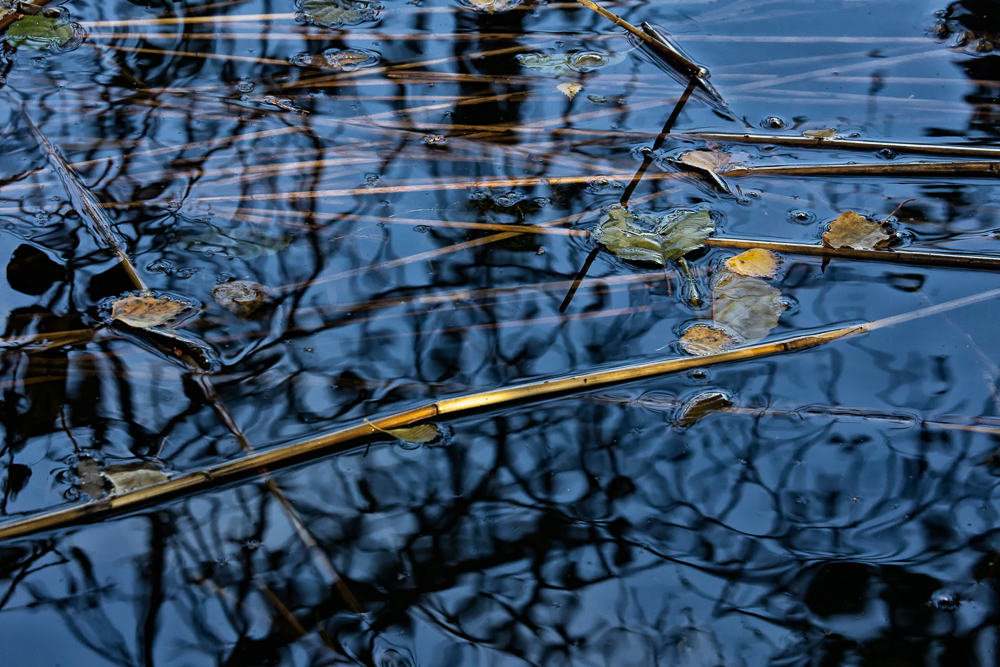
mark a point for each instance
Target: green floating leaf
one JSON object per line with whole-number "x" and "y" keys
{"x": 747, "y": 306}
{"x": 39, "y": 32}
{"x": 564, "y": 63}
{"x": 675, "y": 235}
{"x": 249, "y": 242}
{"x": 338, "y": 13}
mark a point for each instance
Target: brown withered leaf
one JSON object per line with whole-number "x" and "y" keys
{"x": 714, "y": 161}
{"x": 701, "y": 406}
{"x": 703, "y": 339}
{"x": 747, "y": 306}
{"x": 243, "y": 297}
{"x": 756, "y": 262}
{"x": 851, "y": 230}
{"x": 148, "y": 310}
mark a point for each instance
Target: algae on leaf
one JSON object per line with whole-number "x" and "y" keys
{"x": 39, "y": 32}
{"x": 564, "y": 63}
{"x": 674, "y": 235}
{"x": 339, "y": 13}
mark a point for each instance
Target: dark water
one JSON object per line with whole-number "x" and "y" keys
{"x": 845, "y": 511}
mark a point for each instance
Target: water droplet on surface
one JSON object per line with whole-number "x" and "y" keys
{"x": 244, "y": 86}
{"x": 801, "y": 217}
{"x": 773, "y": 123}
{"x": 887, "y": 154}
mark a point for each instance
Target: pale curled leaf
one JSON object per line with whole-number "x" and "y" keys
{"x": 564, "y": 63}
{"x": 825, "y": 133}
{"x": 704, "y": 339}
{"x": 492, "y": 6}
{"x": 700, "y": 406}
{"x": 418, "y": 434}
{"x": 747, "y": 306}
{"x": 851, "y": 230}
{"x": 569, "y": 89}
{"x": 756, "y": 262}
{"x": 95, "y": 479}
{"x": 146, "y": 310}
{"x": 675, "y": 235}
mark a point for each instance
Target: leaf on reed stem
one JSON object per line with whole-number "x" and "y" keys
{"x": 825, "y": 133}
{"x": 703, "y": 339}
{"x": 97, "y": 480}
{"x": 700, "y": 406}
{"x": 418, "y": 434}
{"x": 851, "y": 230}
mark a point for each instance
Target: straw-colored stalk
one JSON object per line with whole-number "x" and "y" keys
{"x": 250, "y": 465}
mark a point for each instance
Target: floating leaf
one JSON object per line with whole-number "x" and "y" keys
{"x": 242, "y": 297}
{"x": 701, "y": 406}
{"x": 492, "y": 6}
{"x": 851, "y": 230}
{"x": 747, "y": 306}
{"x": 39, "y": 32}
{"x": 702, "y": 339}
{"x": 564, "y": 63}
{"x": 146, "y": 309}
{"x": 677, "y": 234}
{"x": 569, "y": 89}
{"x": 95, "y": 479}
{"x": 825, "y": 133}
{"x": 338, "y": 13}
{"x": 756, "y": 262}
{"x": 413, "y": 434}
{"x": 346, "y": 60}
{"x": 249, "y": 242}
{"x": 131, "y": 476}
{"x": 714, "y": 161}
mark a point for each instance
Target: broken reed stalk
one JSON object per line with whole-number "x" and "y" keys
{"x": 844, "y": 144}
{"x": 951, "y": 168}
{"x": 90, "y": 208}
{"x": 224, "y": 473}
{"x": 913, "y": 257}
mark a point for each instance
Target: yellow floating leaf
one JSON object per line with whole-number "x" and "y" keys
{"x": 701, "y": 406}
{"x": 147, "y": 310}
{"x": 702, "y": 339}
{"x": 569, "y": 89}
{"x": 851, "y": 230}
{"x": 756, "y": 262}
{"x": 412, "y": 434}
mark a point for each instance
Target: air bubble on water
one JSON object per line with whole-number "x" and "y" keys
{"x": 423, "y": 229}
{"x": 164, "y": 266}
{"x": 371, "y": 179}
{"x": 945, "y": 600}
{"x": 773, "y": 123}
{"x": 541, "y": 202}
{"x": 478, "y": 195}
{"x": 508, "y": 199}
{"x": 244, "y": 86}
{"x": 597, "y": 99}
{"x": 301, "y": 59}
{"x": 186, "y": 273}
{"x": 887, "y": 154}
{"x": 801, "y": 217}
